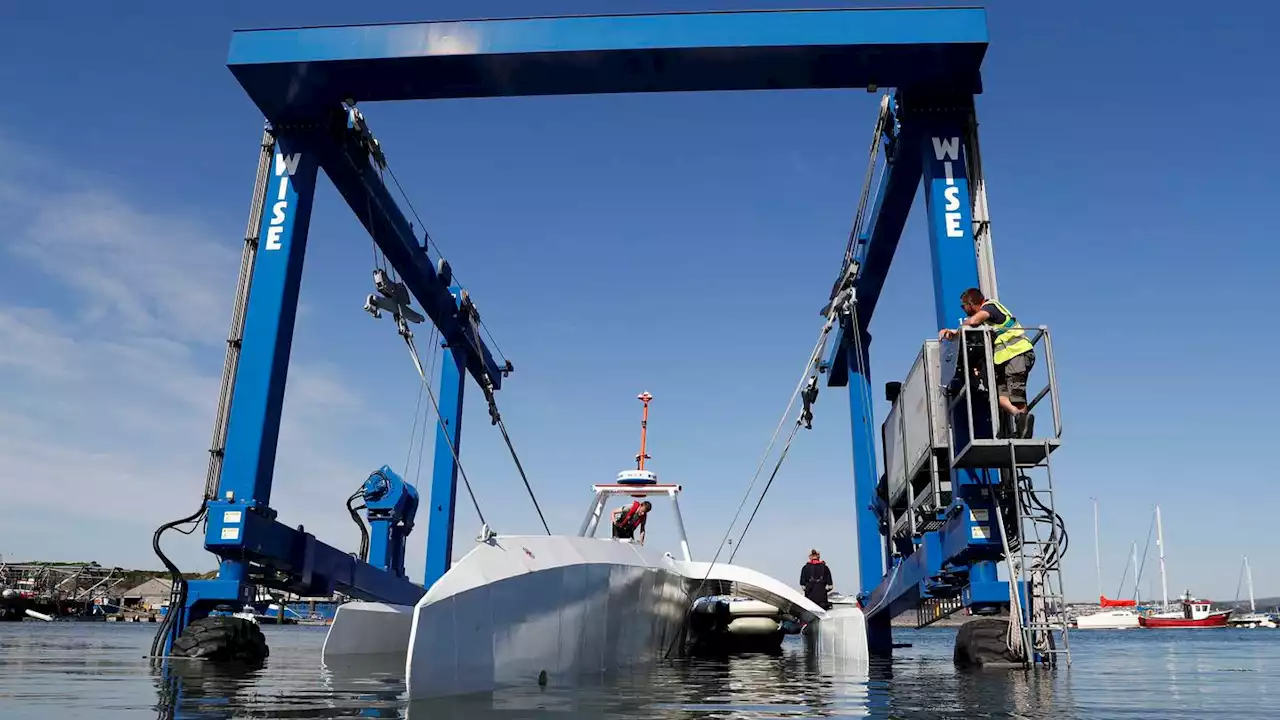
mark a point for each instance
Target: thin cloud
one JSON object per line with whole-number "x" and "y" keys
{"x": 110, "y": 372}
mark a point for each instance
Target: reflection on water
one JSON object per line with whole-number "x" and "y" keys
{"x": 69, "y": 670}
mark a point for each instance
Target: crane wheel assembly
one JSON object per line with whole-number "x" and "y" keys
{"x": 983, "y": 642}
{"x": 222, "y": 638}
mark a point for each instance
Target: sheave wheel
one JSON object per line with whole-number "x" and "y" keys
{"x": 224, "y": 639}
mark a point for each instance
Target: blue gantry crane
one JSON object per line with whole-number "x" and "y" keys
{"x": 961, "y": 492}
{"x": 934, "y": 555}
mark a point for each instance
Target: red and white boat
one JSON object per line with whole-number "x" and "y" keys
{"x": 1194, "y": 614}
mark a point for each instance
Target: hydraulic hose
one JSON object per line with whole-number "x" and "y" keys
{"x": 178, "y": 584}
{"x": 364, "y": 530}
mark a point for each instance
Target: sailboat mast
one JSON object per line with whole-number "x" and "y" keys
{"x": 1136, "y": 579}
{"x": 1097, "y": 549}
{"x": 1164, "y": 582}
{"x": 1248, "y": 577}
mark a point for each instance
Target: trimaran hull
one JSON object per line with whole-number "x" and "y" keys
{"x": 530, "y": 610}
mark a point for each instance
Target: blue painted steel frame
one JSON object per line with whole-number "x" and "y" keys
{"x": 293, "y": 73}
{"x": 300, "y": 77}
{"x": 444, "y": 480}
{"x": 960, "y": 558}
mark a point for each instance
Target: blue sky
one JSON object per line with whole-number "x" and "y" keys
{"x": 681, "y": 244}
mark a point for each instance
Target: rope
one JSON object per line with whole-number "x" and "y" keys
{"x": 417, "y": 363}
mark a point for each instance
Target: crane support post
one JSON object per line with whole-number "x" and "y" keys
{"x": 254, "y": 425}
{"x": 444, "y": 473}
{"x": 939, "y": 126}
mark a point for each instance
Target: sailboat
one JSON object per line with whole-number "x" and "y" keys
{"x": 1190, "y": 612}
{"x": 1253, "y": 618}
{"x": 1113, "y": 614}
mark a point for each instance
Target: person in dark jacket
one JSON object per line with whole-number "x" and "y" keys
{"x": 815, "y": 580}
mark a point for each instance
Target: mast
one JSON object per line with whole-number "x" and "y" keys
{"x": 1164, "y": 582}
{"x": 1136, "y": 579}
{"x": 1248, "y": 577}
{"x": 1097, "y": 549}
{"x": 643, "y": 397}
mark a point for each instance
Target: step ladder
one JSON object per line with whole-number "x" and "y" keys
{"x": 1034, "y": 552}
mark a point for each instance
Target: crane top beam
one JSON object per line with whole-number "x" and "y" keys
{"x": 295, "y": 73}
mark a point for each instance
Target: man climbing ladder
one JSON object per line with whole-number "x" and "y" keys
{"x": 1013, "y": 355}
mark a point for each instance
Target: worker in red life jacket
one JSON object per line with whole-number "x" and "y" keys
{"x": 627, "y": 520}
{"x": 815, "y": 580}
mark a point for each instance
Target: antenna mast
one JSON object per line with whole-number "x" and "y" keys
{"x": 643, "y": 397}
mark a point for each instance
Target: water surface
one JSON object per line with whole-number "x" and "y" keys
{"x": 98, "y": 670}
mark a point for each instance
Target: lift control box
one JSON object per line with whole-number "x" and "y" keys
{"x": 917, "y": 439}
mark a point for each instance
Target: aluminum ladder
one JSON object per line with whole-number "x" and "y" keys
{"x": 1035, "y": 563}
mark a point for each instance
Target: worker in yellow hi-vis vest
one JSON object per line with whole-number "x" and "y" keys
{"x": 1012, "y": 356}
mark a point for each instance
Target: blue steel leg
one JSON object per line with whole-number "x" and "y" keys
{"x": 444, "y": 474}
{"x": 871, "y": 545}
{"x": 955, "y": 269}
{"x": 254, "y": 425}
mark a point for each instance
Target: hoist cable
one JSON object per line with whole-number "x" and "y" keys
{"x": 425, "y": 383}
{"x": 476, "y": 340}
{"x": 408, "y": 458}
{"x": 861, "y": 366}
{"x": 859, "y": 217}
{"x": 417, "y": 363}
{"x": 806, "y": 376}
{"x": 422, "y": 439}
{"x": 777, "y": 466}
{"x": 503, "y": 427}
{"x": 432, "y": 243}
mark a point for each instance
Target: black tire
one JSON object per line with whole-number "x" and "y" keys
{"x": 222, "y": 639}
{"x": 983, "y": 642}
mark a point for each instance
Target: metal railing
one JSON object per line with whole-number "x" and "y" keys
{"x": 973, "y": 385}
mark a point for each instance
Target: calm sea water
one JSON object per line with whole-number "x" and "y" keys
{"x": 97, "y": 670}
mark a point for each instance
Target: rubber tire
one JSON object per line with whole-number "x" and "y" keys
{"x": 222, "y": 639}
{"x": 981, "y": 642}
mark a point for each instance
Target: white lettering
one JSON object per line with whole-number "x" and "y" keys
{"x": 948, "y": 149}
{"x": 290, "y": 163}
{"x": 273, "y": 237}
{"x": 275, "y": 230}
{"x": 952, "y": 194}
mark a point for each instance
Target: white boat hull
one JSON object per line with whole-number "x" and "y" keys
{"x": 554, "y": 610}
{"x": 530, "y": 610}
{"x": 1108, "y": 620}
{"x": 368, "y": 628}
